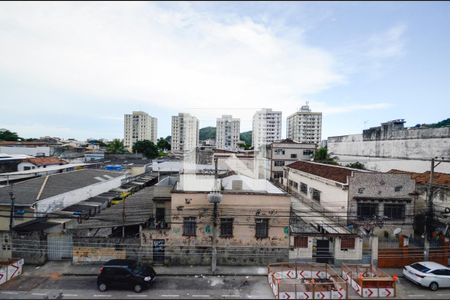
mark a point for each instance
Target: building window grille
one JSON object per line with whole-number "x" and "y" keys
{"x": 367, "y": 210}
{"x": 226, "y": 227}
{"x": 394, "y": 211}
{"x": 304, "y": 188}
{"x": 262, "y": 228}
{"x": 301, "y": 242}
{"x": 279, "y": 163}
{"x": 316, "y": 195}
{"x": 347, "y": 243}
{"x": 189, "y": 226}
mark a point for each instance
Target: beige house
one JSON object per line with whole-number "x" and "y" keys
{"x": 252, "y": 222}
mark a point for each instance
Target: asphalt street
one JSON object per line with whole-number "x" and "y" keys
{"x": 164, "y": 287}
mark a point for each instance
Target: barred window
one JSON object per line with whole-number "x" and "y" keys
{"x": 304, "y": 188}
{"x": 226, "y": 227}
{"x": 347, "y": 243}
{"x": 394, "y": 211}
{"x": 300, "y": 242}
{"x": 262, "y": 228}
{"x": 189, "y": 226}
{"x": 367, "y": 210}
{"x": 316, "y": 194}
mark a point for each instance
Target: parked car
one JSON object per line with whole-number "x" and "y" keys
{"x": 125, "y": 274}
{"x": 428, "y": 274}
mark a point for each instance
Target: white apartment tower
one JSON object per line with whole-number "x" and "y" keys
{"x": 305, "y": 126}
{"x": 185, "y": 134}
{"x": 266, "y": 127}
{"x": 227, "y": 133}
{"x": 139, "y": 126}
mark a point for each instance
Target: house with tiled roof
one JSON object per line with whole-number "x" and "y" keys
{"x": 39, "y": 162}
{"x": 440, "y": 195}
{"x": 355, "y": 196}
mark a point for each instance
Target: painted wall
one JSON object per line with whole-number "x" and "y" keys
{"x": 61, "y": 201}
{"x": 33, "y": 151}
{"x": 333, "y": 196}
{"x": 350, "y": 254}
{"x": 302, "y": 253}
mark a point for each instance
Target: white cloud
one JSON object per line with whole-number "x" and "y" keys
{"x": 176, "y": 58}
{"x": 387, "y": 44}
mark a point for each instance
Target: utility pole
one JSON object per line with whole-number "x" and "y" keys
{"x": 123, "y": 218}
{"x": 11, "y": 216}
{"x": 214, "y": 197}
{"x": 430, "y": 213}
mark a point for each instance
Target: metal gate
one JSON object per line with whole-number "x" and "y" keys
{"x": 59, "y": 247}
{"x": 323, "y": 254}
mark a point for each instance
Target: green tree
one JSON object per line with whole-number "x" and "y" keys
{"x": 246, "y": 137}
{"x": 146, "y": 147}
{"x": 356, "y": 165}
{"x": 321, "y": 155}
{"x": 163, "y": 144}
{"x": 116, "y": 147}
{"x": 6, "y": 135}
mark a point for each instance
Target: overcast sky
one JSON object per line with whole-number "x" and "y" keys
{"x": 74, "y": 69}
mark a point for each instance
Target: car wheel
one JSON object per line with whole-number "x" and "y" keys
{"x": 434, "y": 286}
{"x": 102, "y": 287}
{"x": 138, "y": 288}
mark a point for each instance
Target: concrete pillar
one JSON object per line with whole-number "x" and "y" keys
{"x": 374, "y": 250}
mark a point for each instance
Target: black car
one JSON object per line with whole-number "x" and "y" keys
{"x": 125, "y": 274}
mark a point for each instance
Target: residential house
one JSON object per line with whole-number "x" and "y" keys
{"x": 39, "y": 162}
{"x": 356, "y": 197}
{"x": 252, "y": 222}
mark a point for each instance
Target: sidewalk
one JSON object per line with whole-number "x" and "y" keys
{"x": 66, "y": 268}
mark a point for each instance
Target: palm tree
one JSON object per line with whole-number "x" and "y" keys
{"x": 116, "y": 147}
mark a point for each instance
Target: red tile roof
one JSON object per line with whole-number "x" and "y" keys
{"x": 331, "y": 172}
{"x": 424, "y": 178}
{"x": 46, "y": 161}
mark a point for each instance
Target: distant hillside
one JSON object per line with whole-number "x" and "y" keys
{"x": 440, "y": 124}
{"x": 246, "y": 137}
{"x": 207, "y": 133}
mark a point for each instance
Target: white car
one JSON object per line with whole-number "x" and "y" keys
{"x": 428, "y": 274}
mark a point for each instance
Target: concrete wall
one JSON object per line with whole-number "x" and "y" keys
{"x": 96, "y": 250}
{"x": 350, "y": 254}
{"x": 32, "y": 151}
{"x": 301, "y": 253}
{"x": 61, "y": 201}
{"x": 407, "y": 144}
{"x": 83, "y": 255}
{"x": 333, "y": 196}
{"x": 32, "y": 247}
{"x": 386, "y": 164}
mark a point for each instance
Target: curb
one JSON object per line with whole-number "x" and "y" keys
{"x": 173, "y": 274}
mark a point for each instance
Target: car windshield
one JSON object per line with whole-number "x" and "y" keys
{"x": 420, "y": 268}
{"x": 139, "y": 269}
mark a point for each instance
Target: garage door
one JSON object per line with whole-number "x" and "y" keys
{"x": 59, "y": 247}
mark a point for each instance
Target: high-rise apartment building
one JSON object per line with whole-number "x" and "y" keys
{"x": 266, "y": 127}
{"x": 185, "y": 135}
{"x": 139, "y": 126}
{"x": 305, "y": 126}
{"x": 227, "y": 132}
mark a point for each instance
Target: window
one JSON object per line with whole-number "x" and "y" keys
{"x": 189, "y": 226}
{"x": 279, "y": 163}
{"x": 367, "y": 210}
{"x": 294, "y": 155}
{"x": 398, "y": 188}
{"x": 279, "y": 151}
{"x": 304, "y": 188}
{"x": 300, "y": 242}
{"x": 226, "y": 227}
{"x": 262, "y": 228}
{"x": 442, "y": 272}
{"x": 308, "y": 152}
{"x": 394, "y": 211}
{"x": 277, "y": 175}
{"x": 26, "y": 168}
{"x": 347, "y": 243}
{"x": 316, "y": 194}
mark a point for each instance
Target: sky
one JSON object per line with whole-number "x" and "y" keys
{"x": 73, "y": 69}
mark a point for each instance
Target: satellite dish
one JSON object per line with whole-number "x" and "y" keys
{"x": 397, "y": 231}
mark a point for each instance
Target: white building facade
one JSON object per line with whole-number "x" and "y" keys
{"x": 266, "y": 127}
{"x": 227, "y": 133}
{"x": 305, "y": 126}
{"x": 185, "y": 135}
{"x": 139, "y": 126}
